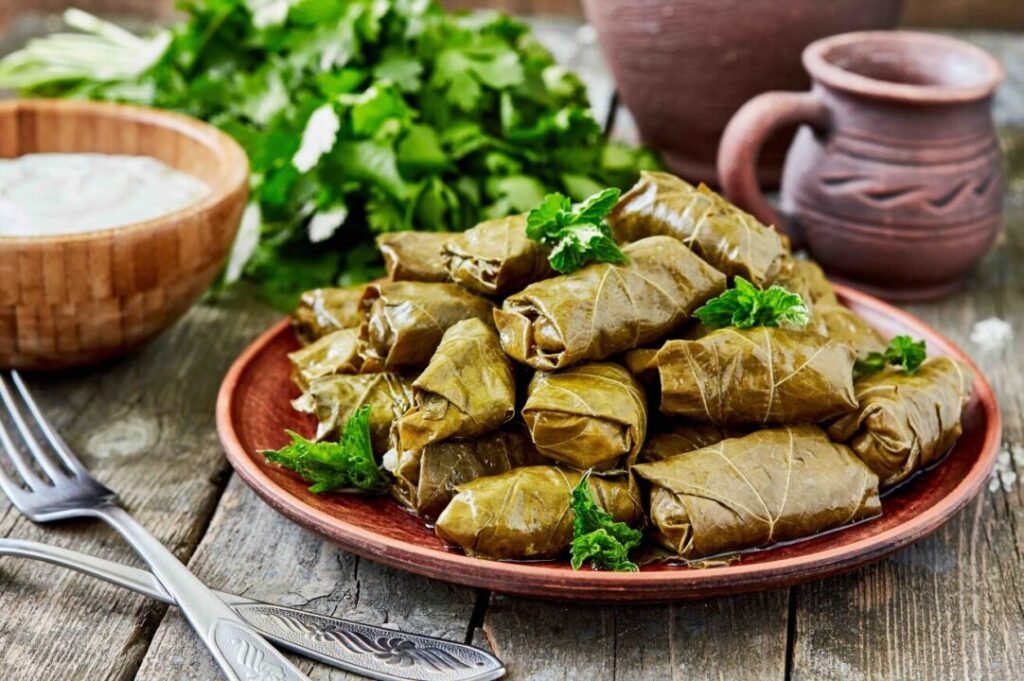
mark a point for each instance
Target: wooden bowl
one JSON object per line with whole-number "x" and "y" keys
{"x": 253, "y": 412}
{"x": 83, "y": 298}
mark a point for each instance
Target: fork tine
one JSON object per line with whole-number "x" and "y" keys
{"x": 52, "y": 470}
{"x": 17, "y": 458}
{"x": 11, "y": 488}
{"x": 56, "y": 441}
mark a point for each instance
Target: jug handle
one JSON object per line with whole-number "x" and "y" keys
{"x": 747, "y": 132}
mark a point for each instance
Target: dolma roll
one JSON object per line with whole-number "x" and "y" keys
{"x": 906, "y": 421}
{"x": 643, "y": 364}
{"x": 496, "y": 257}
{"x": 524, "y": 514}
{"x": 828, "y": 316}
{"x": 770, "y": 486}
{"x": 425, "y": 479}
{"x": 732, "y": 241}
{"x": 466, "y": 390}
{"x": 683, "y": 438}
{"x": 333, "y": 399}
{"x": 805, "y": 276}
{"x": 405, "y": 321}
{"x": 414, "y": 256}
{"x": 758, "y": 376}
{"x": 335, "y": 353}
{"x": 326, "y": 310}
{"x": 845, "y": 326}
{"x": 604, "y": 309}
{"x": 589, "y": 416}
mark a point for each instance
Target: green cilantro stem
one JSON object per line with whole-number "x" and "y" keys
{"x": 576, "y": 235}
{"x": 348, "y": 464}
{"x": 745, "y": 306}
{"x": 903, "y": 351}
{"x": 597, "y": 537}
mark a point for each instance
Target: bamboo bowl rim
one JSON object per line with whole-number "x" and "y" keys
{"x": 232, "y": 170}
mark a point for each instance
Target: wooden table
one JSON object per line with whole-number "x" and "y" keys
{"x": 949, "y": 607}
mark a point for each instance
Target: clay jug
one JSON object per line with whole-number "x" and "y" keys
{"x": 894, "y": 183}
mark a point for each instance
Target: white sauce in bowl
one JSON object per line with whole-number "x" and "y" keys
{"x": 56, "y": 194}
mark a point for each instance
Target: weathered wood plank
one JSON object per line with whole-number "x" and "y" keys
{"x": 733, "y": 639}
{"x": 145, "y": 426}
{"x": 250, "y": 549}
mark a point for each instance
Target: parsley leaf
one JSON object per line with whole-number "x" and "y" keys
{"x": 597, "y": 537}
{"x": 335, "y": 465}
{"x": 576, "y": 235}
{"x": 903, "y": 351}
{"x": 745, "y": 306}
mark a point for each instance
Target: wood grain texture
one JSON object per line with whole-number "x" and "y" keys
{"x": 299, "y": 570}
{"x": 735, "y": 639}
{"x": 83, "y": 298}
{"x": 145, "y": 427}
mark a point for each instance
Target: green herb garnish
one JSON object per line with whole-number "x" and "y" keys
{"x": 335, "y": 465}
{"x": 903, "y": 351}
{"x": 597, "y": 537}
{"x": 358, "y": 117}
{"x": 745, "y": 306}
{"x": 576, "y": 234}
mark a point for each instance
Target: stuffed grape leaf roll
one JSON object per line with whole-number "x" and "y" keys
{"x": 845, "y": 326}
{"x": 524, "y": 514}
{"x": 732, "y": 241}
{"x": 496, "y": 257}
{"x": 467, "y": 388}
{"x": 425, "y": 479}
{"x": 589, "y": 416}
{"x": 333, "y": 400}
{"x": 758, "y": 376}
{"x": 414, "y": 256}
{"x": 682, "y": 438}
{"x": 326, "y": 310}
{"x": 828, "y": 316}
{"x": 807, "y": 278}
{"x": 906, "y": 421}
{"x": 604, "y": 309}
{"x": 405, "y": 321}
{"x": 770, "y": 486}
{"x": 335, "y": 353}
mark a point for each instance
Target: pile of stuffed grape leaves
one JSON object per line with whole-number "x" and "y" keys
{"x": 651, "y": 376}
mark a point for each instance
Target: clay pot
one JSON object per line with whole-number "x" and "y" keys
{"x": 683, "y": 67}
{"x": 895, "y": 184}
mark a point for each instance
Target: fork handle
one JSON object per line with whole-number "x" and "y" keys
{"x": 236, "y": 646}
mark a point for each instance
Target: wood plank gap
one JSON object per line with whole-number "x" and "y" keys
{"x": 787, "y": 672}
{"x": 476, "y": 618}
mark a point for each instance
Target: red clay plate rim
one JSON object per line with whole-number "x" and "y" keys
{"x": 537, "y": 579}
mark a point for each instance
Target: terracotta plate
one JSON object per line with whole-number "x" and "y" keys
{"x": 253, "y": 411}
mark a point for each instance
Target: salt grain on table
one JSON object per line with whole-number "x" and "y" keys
{"x": 1003, "y": 475}
{"x": 991, "y": 334}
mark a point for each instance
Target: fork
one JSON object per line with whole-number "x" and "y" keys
{"x": 68, "y": 490}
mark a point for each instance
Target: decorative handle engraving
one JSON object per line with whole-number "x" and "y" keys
{"x": 379, "y": 653}
{"x": 249, "y": 657}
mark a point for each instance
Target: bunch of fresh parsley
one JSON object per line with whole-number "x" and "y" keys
{"x": 745, "y": 306}
{"x": 358, "y": 116}
{"x": 597, "y": 537}
{"x": 903, "y": 352}
{"x": 344, "y": 465}
{"x": 576, "y": 235}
